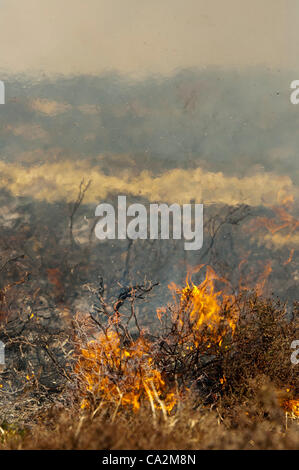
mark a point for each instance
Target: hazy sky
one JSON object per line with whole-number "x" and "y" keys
{"x": 145, "y": 36}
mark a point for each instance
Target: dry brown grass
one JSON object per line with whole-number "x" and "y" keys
{"x": 256, "y": 423}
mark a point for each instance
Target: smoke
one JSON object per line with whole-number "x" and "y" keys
{"x": 60, "y": 181}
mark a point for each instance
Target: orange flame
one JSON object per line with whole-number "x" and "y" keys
{"x": 283, "y": 220}
{"x": 123, "y": 375}
{"x": 204, "y": 310}
{"x": 291, "y": 407}
{"x": 260, "y": 285}
{"x": 290, "y": 257}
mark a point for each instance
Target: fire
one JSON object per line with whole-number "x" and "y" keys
{"x": 283, "y": 219}
{"x": 125, "y": 376}
{"x": 280, "y": 230}
{"x": 205, "y": 314}
{"x": 283, "y": 223}
{"x": 291, "y": 407}
{"x": 260, "y": 285}
{"x": 123, "y": 371}
{"x": 116, "y": 369}
{"x": 290, "y": 258}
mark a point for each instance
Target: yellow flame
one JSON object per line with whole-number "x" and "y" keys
{"x": 203, "y": 308}
{"x": 126, "y": 376}
{"x": 291, "y": 407}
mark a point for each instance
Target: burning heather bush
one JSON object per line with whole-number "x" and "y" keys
{"x": 216, "y": 360}
{"x": 122, "y": 374}
{"x": 200, "y": 316}
{"x": 210, "y": 343}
